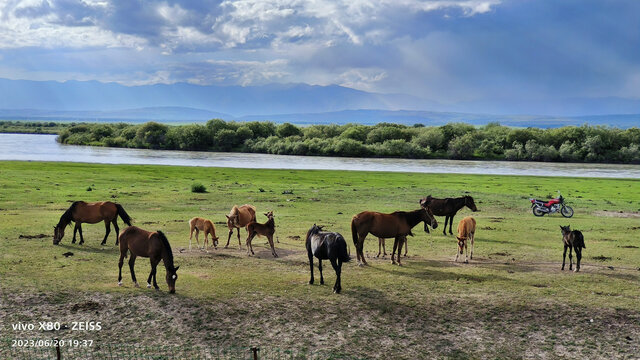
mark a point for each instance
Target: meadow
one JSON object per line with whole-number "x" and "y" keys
{"x": 511, "y": 301}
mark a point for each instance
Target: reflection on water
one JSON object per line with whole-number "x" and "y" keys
{"x": 29, "y": 147}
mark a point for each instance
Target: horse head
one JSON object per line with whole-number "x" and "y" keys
{"x": 269, "y": 215}
{"x": 565, "y": 229}
{"x": 460, "y": 244}
{"x": 232, "y": 221}
{"x": 172, "y": 276}
{"x": 425, "y": 201}
{"x": 468, "y": 201}
{"x": 58, "y": 233}
{"x": 428, "y": 218}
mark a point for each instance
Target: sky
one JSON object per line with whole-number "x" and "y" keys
{"x": 442, "y": 50}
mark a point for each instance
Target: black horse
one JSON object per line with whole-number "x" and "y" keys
{"x": 572, "y": 239}
{"x": 327, "y": 246}
{"x": 448, "y": 207}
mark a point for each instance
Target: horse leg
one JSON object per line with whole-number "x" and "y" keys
{"x": 473, "y": 236}
{"x": 132, "y": 261}
{"x": 155, "y": 271}
{"x": 152, "y": 274}
{"x": 564, "y": 255}
{"x": 320, "y": 267}
{"x": 337, "y": 267}
{"x": 380, "y": 247}
{"x": 205, "y": 243}
{"x": 107, "y": 226}
{"x": 570, "y": 258}
{"x": 578, "y": 257}
{"x": 401, "y": 240}
{"x": 446, "y": 220}
{"x": 239, "y": 243}
{"x": 229, "y": 238}
{"x": 466, "y": 251}
{"x": 310, "y": 265}
{"x": 406, "y": 246}
{"x": 122, "y": 255}
{"x": 248, "y": 243}
{"x": 359, "y": 250}
{"x": 197, "y": 240}
{"x": 451, "y": 224}
{"x": 80, "y": 231}
{"x": 75, "y": 230}
{"x": 273, "y": 249}
{"x": 393, "y": 253}
{"x": 115, "y": 226}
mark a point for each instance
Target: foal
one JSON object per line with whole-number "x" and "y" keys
{"x": 572, "y": 239}
{"x": 267, "y": 229}
{"x": 466, "y": 233}
{"x": 330, "y": 246}
{"x": 200, "y": 224}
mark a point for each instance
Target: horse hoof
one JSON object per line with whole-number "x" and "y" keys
{"x": 157, "y": 289}
{"x": 466, "y": 261}
{"x": 136, "y": 285}
{"x": 576, "y": 270}
{"x": 310, "y": 282}
{"x": 336, "y": 291}
{"x": 119, "y": 283}
{"x": 148, "y": 286}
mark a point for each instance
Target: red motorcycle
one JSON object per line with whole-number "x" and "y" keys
{"x": 540, "y": 207}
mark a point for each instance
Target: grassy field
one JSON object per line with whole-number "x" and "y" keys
{"x": 510, "y": 301}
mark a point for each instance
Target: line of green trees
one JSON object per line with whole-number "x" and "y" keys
{"x": 452, "y": 141}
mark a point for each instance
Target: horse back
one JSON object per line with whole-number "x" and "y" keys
{"x": 578, "y": 239}
{"x": 138, "y": 241}
{"x": 381, "y": 224}
{"x": 466, "y": 227}
{"x": 94, "y": 212}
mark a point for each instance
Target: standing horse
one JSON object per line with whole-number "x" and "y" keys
{"x": 572, "y": 239}
{"x": 200, "y": 224}
{"x": 267, "y": 229}
{"x": 397, "y": 225}
{"x": 448, "y": 207}
{"x": 466, "y": 234}
{"x": 327, "y": 246}
{"x": 90, "y": 213}
{"x": 239, "y": 216}
{"x": 153, "y": 245}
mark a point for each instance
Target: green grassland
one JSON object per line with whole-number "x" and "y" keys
{"x": 510, "y": 301}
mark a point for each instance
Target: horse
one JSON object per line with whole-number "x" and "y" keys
{"x": 466, "y": 234}
{"x": 200, "y": 224}
{"x": 572, "y": 239}
{"x": 267, "y": 229}
{"x": 330, "y": 246}
{"x": 153, "y": 245}
{"x": 239, "y": 216}
{"x": 90, "y": 213}
{"x": 397, "y": 225}
{"x": 448, "y": 207}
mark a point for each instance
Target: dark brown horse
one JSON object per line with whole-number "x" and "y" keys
{"x": 267, "y": 230}
{"x": 239, "y": 216}
{"x": 572, "y": 239}
{"x": 448, "y": 207}
{"x": 90, "y": 213}
{"x": 153, "y": 245}
{"x": 395, "y": 225}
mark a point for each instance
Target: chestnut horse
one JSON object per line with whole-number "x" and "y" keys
{"x": 239, "y": 216}
{"x": 206, "y": 226}
{"x": 90, "y": 213}
{"x": 153, "y": 245}
{"x": 397, "y": 225}
{"x": 448, "y": 207}
{"x": 267, "y": 229}
{"x": 466, "y": 235}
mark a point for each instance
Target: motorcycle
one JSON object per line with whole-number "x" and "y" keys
{"x": 540, "y": 207}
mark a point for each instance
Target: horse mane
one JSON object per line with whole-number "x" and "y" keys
{"x": 234, "y": 210}
{"x": 251, "y": 206}
{"x": 165, "y": 242}
{"x": 67, "y": 217}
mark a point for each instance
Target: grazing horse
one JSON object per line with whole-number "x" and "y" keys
{"x": 572, "y": 239}
{"x": 267, "y": 229}
{"x": 200, "y": 224}
{"x": 448, "y": 208}
{"x": 327, "y": 246}
{"x": 397, "y": 225}
{"x": 466, "y": 234}
{"x": 90, "y": 213}
{"x": 239, "y": 216}
{"x": 153, "y": 245}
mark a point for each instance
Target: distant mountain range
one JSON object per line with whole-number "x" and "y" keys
{"x": 295, "y": 103}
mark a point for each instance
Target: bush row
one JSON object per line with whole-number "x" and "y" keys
{"x": 453, "y": 141}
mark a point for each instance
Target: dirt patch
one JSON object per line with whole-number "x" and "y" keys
{"x": 496, "y": 219}
{"x": 620, "y": 214}
{"x": 629, "y": 247}
{"x": 500, "y": 254}
{"x": 487, "y": 228}
{"x": 39, "y": 236}
{"x": 294, "y": 237}
{"x": 601, "y": 258}
{"x": 86, "y": 306}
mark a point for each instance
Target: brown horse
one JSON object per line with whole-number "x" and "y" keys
{"x": 239, "y": 216}
{"x": 397, "y": 225}
{"x": 153, "y": 245}
{"x": 267, "y": 229}
{"x": 448, "y": 207}
{"x": 466, "y": 235}
{"x": 90, "y": 213}
{"x": 200, "y": 224}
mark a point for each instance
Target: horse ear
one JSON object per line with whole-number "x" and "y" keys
{"x": 227, "y": 216}
{"x": 176, "y": 269}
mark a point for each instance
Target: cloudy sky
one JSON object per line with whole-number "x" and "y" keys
{"x": 443, "y": 50}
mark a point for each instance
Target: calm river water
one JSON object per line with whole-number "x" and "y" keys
{"x": 27, "y": 147}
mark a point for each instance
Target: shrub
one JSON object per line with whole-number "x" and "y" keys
{"x": 198, "y": 188}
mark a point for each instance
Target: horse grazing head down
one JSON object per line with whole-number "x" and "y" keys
{"x": 58, "y": 234}
{"x": 171, "y": 278}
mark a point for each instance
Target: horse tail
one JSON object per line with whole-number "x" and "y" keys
{"x": 123, "y": 214}
{"x": 580, "y": 240}
{"x": 354, "y": 232}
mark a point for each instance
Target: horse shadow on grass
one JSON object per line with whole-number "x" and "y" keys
{"x": 424, "y": 270}
{"x": 75, "y": 248}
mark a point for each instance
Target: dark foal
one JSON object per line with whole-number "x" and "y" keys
{"x": 330, "y": 246}
{"x": 572, "y": 239}
{"x": 448, "y": 207}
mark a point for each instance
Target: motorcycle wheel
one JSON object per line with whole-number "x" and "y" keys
{"x": 566, "y": 211}
{"x": 537, "y": 212}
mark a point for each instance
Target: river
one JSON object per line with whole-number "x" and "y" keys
{"x": 30, "y": 147}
